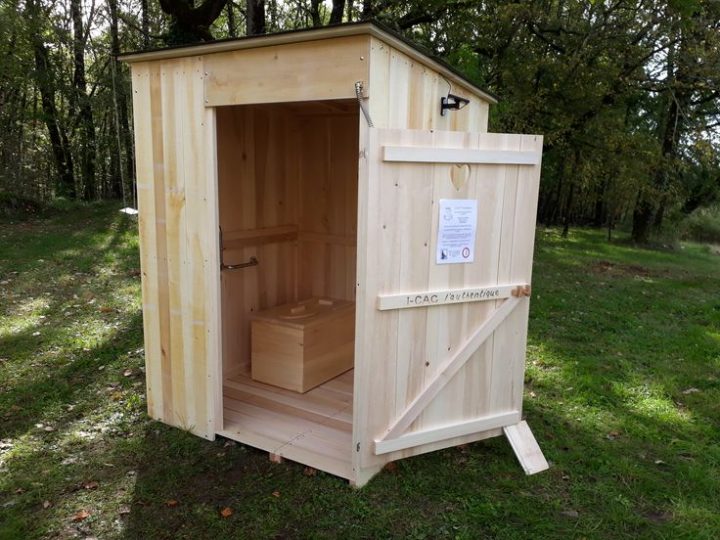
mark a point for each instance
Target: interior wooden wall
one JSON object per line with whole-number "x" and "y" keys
{"x": 256, "y": 170}
{"x": 288, "y": 196}
{"x": 328, "y": 202}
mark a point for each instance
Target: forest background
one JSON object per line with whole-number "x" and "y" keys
{"x": 626, "y": 93}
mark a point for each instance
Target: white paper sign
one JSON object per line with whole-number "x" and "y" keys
{"x": 457, "y": 225}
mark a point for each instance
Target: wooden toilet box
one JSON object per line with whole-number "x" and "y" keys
{"x": 300, "y": 345}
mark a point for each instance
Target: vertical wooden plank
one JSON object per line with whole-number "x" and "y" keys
{"x": 160, "y": 174}
{"x": 505, "y": 342}
{"x": 145, "y": 173}
{"x": 200, "y": 264}
{"x": 378, "y": 83}
{"x": 171, "y": 88}
{"x": 213, "y": 300}
{"x": 522, "y": 257}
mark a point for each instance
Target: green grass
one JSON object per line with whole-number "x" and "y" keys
{"x": 622, "y": 392}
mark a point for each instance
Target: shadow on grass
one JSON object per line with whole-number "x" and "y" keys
{"x": 54, "y": 335}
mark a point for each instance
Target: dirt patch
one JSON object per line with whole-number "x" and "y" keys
{"x": 618, "y": 269}
{"x": 658, "y": 516}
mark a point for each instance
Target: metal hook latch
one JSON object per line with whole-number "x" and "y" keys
{"x": 252, "y": 262}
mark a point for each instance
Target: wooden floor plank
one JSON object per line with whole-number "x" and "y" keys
{"x": 290, "y": 430}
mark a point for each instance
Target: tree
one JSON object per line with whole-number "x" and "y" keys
{"x": 80, "y": 102}
{"x": 188, "y": 23}
{"x": 255, "y": 17}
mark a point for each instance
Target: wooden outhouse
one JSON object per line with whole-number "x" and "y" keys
{"x": 337, "y": 166}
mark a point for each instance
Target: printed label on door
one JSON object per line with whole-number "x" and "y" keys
{"x": 457, "y": 226}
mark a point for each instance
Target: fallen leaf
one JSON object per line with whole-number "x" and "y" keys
{"x": 127, "y": 372}
{"x": 106, "y": 309}
{"x": 124, "y": 510}
{"x": 309, "y": 471}
{"x": 275, "y": 493}
{"x": 690, "y": 391}
{"x": 172, "y": 503}
{"x": 391, "y": 467}
{"x": 19, "y": 491}
{"x": 226, "y": 512}
{"x": 47, "y": 504}
{"x": 570, "y": 513}
{"x": 91, "y": 485}
{"x": 613, "y": 435}
{"x": 81, "y": 515}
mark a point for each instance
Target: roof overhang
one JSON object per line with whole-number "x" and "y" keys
{"x": 371, "y": 28}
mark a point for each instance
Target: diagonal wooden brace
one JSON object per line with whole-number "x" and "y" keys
{"x": 451, "y": 367}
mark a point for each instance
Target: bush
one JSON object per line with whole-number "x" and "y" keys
{"x": 703, "y": 225}
{"x": 18, "y": 206}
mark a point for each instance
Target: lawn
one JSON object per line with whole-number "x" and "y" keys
{"x": 622, "y": 392}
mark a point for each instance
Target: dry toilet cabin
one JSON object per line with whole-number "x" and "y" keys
{"x": 336, "y": 255}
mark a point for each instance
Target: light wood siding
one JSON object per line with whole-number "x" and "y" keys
{"x": 402, "y": 352}
{"x": 310, "y": 71}
{"x": 405, "y": 93}
{"x": 175, "y": 141}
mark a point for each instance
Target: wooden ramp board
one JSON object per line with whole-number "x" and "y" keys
{"x": 314, "y": 428}
{"x": 526, "y": 448}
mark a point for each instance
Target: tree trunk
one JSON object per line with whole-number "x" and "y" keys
{"x": 642, "y": 217}
{"x": 600, "y": 210}
{"x": 315, "y": 12}
{"x": 232, "y": 30}
{"x": 122, "y": 123}
{"x": 570, "y": 199}
{"x": 145, "y": 22}
{"x": 58, "y": 136}
{"x": 367, "y": 10}
{"x": 82, "y": 102}
{"x": 336, "y": 14}
{"x": 255, "y": 17}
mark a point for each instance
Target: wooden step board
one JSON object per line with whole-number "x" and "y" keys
{"x": 314, "y": 428}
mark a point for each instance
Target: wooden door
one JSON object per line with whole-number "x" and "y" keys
{"x": 440, "y": 348}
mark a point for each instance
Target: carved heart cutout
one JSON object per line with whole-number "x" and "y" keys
{"x": 459, "y": 175}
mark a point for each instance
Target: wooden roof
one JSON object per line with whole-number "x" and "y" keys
{"x": 371, "y": 28}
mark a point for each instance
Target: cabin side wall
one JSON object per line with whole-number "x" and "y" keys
{"x": 405, "y": 94}
{"x": 178, "y": 220}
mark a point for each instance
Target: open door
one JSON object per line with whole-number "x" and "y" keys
{"x": 443, "y": 292}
